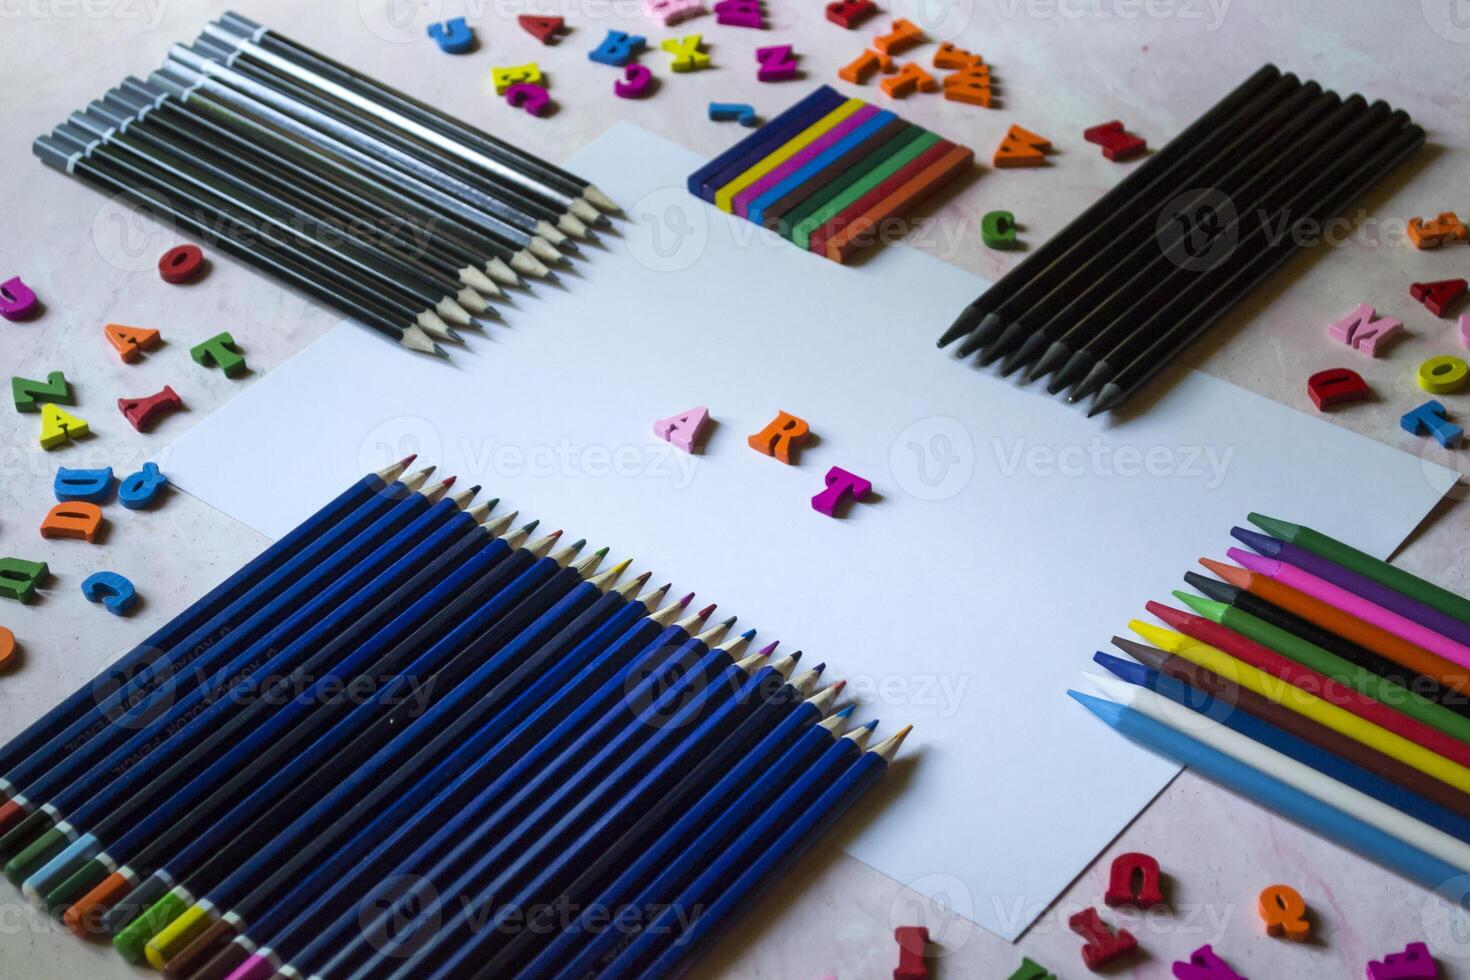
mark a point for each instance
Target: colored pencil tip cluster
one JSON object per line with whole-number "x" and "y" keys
{"x": 1321, "y": 682}
{"x": 831, "y": 175}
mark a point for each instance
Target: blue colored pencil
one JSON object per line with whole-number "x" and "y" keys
{"x": 269, "y": 796}
{"x": 219, "y": 740}
{"x": 1272, "y": 793}
{"x": 1288, "y": 744}
{"x": 103, "y": 798}
{"x": 628, "y": 771}
{"x": 117, "y": 714}
{"x": 586, "y": 732}
{"x": 452, "y": 722}
{"x": 80, "y": 778}
{"x": 311, "y": 940}
{"x": 710, "y": 786}
{"x": 276, "y": 725}
{"x": 37, "y": 738}
{"x": 753, "y": 861}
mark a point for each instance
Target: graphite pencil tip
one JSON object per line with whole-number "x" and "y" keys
{"x": 600, "y": 200}
{"x": 962, "y": 325}
{"x": 1096, "y": 378}
{"x": 1025, "y": 354}
{"x": 572, "y": 225}
{"x": 585, "y": 211}
{"x": 990, "y": 327}
{"x": 1108, "y": 399}
{"x": 1074, "y": 369}
{"x": 1004, "y": 344}
{"x": 414, "y": 338}
{"x": 1055, "y": 356}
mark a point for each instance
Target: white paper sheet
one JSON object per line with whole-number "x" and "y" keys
{"x": 1009, "y": 537}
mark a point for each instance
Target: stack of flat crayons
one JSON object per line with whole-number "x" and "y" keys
{"x": 388, "y": 210}
{"x": 831, "y": 174}
{"x": 1133, "y": 280}
{"x": 409, "y": 740}
{"x": 1318, "y": 681}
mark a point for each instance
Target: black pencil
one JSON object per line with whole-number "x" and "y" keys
{"x": 1120, "y": 383}
{"x": 1088, "y": 315}
{"x": 215, "y": 212}
{"x": 71, "y": 159}
{"x": 1280, "y": 137}
{"x": 1137, "y": 181}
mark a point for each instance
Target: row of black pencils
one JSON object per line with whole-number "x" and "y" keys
{"x": 394, "y": 213}
{"x": 412, "y": 741}
{"x": 1133, "y": 280}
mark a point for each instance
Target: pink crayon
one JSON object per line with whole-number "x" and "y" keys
{"x": 798, "y": 160}
{"x": 1353, "y": 604}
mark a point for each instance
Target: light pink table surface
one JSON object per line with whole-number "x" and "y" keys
{"x": 1064, "y": 65}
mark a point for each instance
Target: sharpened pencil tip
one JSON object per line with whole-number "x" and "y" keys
{"x": 533, "y": 525}
{"x": 769, "y": 648}
{"x": 601, "y": 553}
{"x": 871, "y": 725}
{"x": 408, "y": 460}
{"x": 847, "y": 711}
{"x": 684, "y": 602}
{"x": 748, "y": 635}
{"x": 707, "y": 610}
{"x": 819, "y": 668}
{"x": 448, "y": 482}
{"x": 729, "y": 622}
